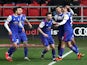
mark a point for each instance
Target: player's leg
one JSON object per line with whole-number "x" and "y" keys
{"x": 25, "y": 43}
{"x": 64, "y": 39}
{"x": 59, "y": 58}
{"x": 46, "y": 45}
{"x": 52, "y": 45}
{"x": 26, "y": 50}
{"x": 74, "y": 43}
{"x": 46, "y": 49}
{"x": 12, "y": 49}
{"x": 69, "y": 40}
{"x": 59, "y": 44}
{"x": 53, "y": 51}
{"x": 60, "y": 35}
{"x": 72, "y": 47}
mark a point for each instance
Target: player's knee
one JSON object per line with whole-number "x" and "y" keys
{"x": 15, "y": 46}
{"x": 62, "y": 45}
{"x": 48, "y": 48}
{"x": 53, "y": 47}
{"x": 69, "y": 45}
{"x": 26, "y": 44}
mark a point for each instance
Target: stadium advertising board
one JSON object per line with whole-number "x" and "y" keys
{"x": 79, "y": 30}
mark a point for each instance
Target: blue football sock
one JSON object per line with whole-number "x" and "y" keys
{"x": 59, "y": 46}
{"x": 44, "y": 51}
{"x": 53, "y": 53}
{"x": 11, "y": 50}
{"x": 74, "y": 49}
{"x": 61, "y": 52}
{"x": 76, "y": 46}
{"x": 25, "y": 51}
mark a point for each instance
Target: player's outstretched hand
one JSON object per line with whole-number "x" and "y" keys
{"x": 56, "y": 25}
{"x": 31, "y": 27}
{"x": 45, "y": 35}
{"x": 10, "y": 33}
{"x": 23, "y": 30}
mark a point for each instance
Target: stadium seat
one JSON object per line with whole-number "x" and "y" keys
{"x": 44, "y": 10}
{"x": 83, "y": 2}
{"x": 24, "y": 9}
{"x": 34, "y": 11}
{"x": 85, "y": 11}
{"x": 7, "y": 11}
{"x": 0, "y": 10}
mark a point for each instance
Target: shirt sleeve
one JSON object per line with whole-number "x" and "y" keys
{"x": 55, "y": 17}
{"x": 41, "y": 25}
{"x": 20, "y": 24}
{"x": 9, "y": 19}
{"x": 25, "y": 17}
{"x": 7, "y": 22}
{"x": 71, "y": 11}
{"x": 66, "y": 17}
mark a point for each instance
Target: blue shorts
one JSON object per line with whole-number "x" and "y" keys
{"x": 47, "y": 41}
{"x": 22, "y": 37}
{"x": 14, "y": 38}
{"x": 68, "y": 36}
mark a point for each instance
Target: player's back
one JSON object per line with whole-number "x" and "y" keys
{"x": 22, "y": 19}
{"x": 14, "y": 23}
{"x": 59, "y": 18}
{"x": 47, "y": 27}
{"x": 71, "y": 17}
{"x": 68, "y": 25}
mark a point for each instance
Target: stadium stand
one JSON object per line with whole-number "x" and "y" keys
{"x": 84, "y": 3}
{"x": 34, "y": 11}
{"x": 0, "y": 10}
{"x": 7, "y": 11}
{"x": 44, "y": 10}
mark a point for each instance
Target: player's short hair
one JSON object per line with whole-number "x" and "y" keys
{"x": 48, "y": 13}
{"x": 59, "y": 6}
{"x": 15, "y": 9}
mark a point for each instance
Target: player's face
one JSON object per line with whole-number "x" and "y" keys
{"x": 19, "y": 11}
{"x": 64, "y": 9}
{"x": 58, "y": 9}
{"x": 49, "y": 16}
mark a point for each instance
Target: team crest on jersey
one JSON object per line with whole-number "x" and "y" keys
{"x": 46, "y": 24}
{"x": 49, "y": 28}
{"x": 14, "y": 19}
{"x": 16, "y": 22}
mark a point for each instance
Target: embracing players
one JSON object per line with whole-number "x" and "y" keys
{"x": 67, "y": 34}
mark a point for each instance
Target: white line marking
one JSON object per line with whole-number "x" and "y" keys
{"x": 66, "y": 54}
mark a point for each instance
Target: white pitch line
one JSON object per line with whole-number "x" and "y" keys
{"x": 66, "y": 54}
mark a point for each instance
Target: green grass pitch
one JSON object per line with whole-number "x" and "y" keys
{"x": 34, "y": 55}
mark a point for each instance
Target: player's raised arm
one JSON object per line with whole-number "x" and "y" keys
{"x": 70, "y": 9}
{"x": 41, "y": 25}
{"x": 6, "y": 24}
{"x": 28, "y": 23}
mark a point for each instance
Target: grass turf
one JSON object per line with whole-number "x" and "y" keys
{"x": 34, "y": 55}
